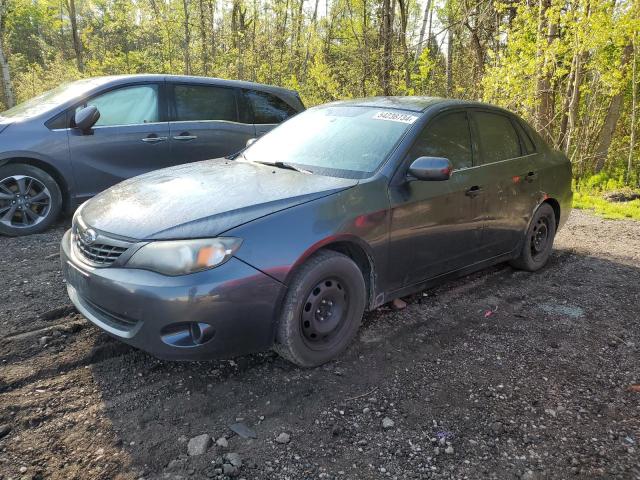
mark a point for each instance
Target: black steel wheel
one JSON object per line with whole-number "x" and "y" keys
{"x": 538, "y": 242}
{"x": 30, "y": 200}
{"x": 322, "y": 311}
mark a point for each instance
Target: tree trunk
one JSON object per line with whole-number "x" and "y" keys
{"x": 204, "y": 52}
{"x": 634, "y": 106}
{"x": 7, "y": 86}
{"x": 611, "y": 120}
{"x": 423, "y": 29}
{"x": 387, "y": 23}
{"x": 77, "y": 43}
{"x": 544, "y": 113}
{"x": 449, "y": 65}
{"x": 187, "y": 39}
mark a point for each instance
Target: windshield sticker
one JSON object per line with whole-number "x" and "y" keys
{"x": 395, "y": 117}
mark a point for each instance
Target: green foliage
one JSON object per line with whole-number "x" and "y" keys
{"x": 502, "y": 52}
{"x": 604, "y": 208}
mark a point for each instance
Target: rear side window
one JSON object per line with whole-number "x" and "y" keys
{"x": 202, "y": 102}
{"x": 127, "y": 106}
{"x": 496, "y": 137}
{"x": 268, "y": 108}
{"x": 527, "y": 145}
{"x": 447, "y": 136}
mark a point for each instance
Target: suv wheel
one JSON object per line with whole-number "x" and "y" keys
{"x": 322, "y": 310}
{"x": 30, "y": 200}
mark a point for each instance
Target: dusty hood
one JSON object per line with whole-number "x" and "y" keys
{"x": 202, "y": 199}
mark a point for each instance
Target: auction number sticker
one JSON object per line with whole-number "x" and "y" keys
{"x": 395, "y": 117}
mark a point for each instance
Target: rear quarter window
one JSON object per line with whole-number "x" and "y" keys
{"x": 267, "y": 108}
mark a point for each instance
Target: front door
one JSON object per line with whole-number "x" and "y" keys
{"x": 205, "y": 123}
{"x": 130, "y": 138}
{"x": 508, "y": 177}
{"x": 435, "y": 226}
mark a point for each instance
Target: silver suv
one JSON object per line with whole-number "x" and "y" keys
{"x": 64, "y": 146}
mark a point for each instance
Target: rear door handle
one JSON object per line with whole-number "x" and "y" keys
{"x": 184, "y": 136}
{"x": 153, "y": 138}
{"x": 473, "y": 191}
{"x": 531, "y": 176}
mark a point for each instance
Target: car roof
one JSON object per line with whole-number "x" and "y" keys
{"x": 412, "y": 103}
{"x": 189, "y": 79}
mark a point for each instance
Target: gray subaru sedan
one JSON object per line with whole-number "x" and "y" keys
{"x": 64, "y": 146}
{"x": 340, "y": 209}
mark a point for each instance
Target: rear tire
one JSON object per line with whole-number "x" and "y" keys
{"x": 30, "y": 200}
{"x": 322, "y": 310}
{"x": 538, "y": 241}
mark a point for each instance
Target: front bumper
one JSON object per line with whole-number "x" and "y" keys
{"x": 147, "y": 310}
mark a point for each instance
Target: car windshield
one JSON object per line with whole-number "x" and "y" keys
{"x": 51, "y": 98}
{"x": 341, "y": 141}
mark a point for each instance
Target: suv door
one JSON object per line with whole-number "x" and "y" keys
{"x": 205, "y": 122}
{"x": 508, "y": 178}
{"x": 435, "y": 227}
{"x": 268, "y": 110}
{"x": 130, "y": 137}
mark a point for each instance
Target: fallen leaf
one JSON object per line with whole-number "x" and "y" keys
{"x": 634, "y": 388}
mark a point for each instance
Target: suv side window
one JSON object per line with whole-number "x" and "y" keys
{"x": 497, "y": 138}
{"x": 267, "y": 108}
{"x": 527, "y": 143}
{"x": 204, "y": 102}
{"x": 447, "y": 136}
{"x": 133, "y": 105}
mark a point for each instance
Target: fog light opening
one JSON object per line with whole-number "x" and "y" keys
{"x": 201, "y": 332}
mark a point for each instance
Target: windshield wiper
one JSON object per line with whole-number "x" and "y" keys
{"x": 285, "y": 166}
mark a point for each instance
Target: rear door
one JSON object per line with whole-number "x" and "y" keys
{"x": 130, "y": 138}
{"x": 508, "y": 179}
{"x": 268, "y": 110}
{"x": 435, "y": 226}
{"x": 206, "y": 122}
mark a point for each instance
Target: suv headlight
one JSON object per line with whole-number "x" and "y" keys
{"x": 179, "y": 257}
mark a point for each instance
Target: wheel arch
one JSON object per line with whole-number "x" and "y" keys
{"x": 556, "y": 208}
{"x": 354, "y": 248}
{"x": 48, "y": 168}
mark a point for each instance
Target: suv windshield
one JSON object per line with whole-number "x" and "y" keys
{"x": 46, "y": 100}
{"x": 341, "y": 141}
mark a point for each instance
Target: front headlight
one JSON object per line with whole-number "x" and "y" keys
{"x": 179, "y": 257}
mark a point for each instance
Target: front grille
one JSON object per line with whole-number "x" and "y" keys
{"x": 99, "y": 253}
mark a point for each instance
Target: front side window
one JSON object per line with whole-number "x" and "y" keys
{"x": 448, "y": 137}
{"x": 269, "y": 109}
{"x": 203, "y": 102}
{"x": 341, "y": 141}
{"x": 496, "y": 136}
{"x": 127, "y": 106}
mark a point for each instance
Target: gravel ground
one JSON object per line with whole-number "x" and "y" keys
{"x": 501, "y": 374}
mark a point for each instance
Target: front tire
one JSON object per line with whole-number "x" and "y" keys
{"x": 538, "y": 241}
{"x": 322, "y": 311}
{"x": 30, "y": 200}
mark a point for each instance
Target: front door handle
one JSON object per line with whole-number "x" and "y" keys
{"x": 184, "y": 136}
{"x": 531, "y": 176}
{"x": 473, "y": 191}
{"x": 153, "y": 138}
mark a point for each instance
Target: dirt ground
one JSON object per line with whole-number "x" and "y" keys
{"x": 501, "y": 374}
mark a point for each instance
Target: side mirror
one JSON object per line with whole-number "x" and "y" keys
{"x": 250, "y": 141}
{"x": 431, "y": 169}
{"x": 86, "y": 118}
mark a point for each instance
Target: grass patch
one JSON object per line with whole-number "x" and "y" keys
{"x": 604, "y": 208}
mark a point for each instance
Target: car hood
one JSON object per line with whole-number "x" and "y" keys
{"x": 4, "y": 123}
{"x": 202, "y": 199}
